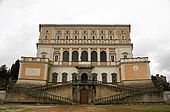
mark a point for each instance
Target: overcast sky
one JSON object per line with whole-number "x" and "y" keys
{"x": 149, "y": 19}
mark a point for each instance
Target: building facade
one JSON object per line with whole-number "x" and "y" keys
{"x": 83, "y": 52}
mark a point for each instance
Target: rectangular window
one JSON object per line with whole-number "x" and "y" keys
{"x": 67, "y": 37}
{"x": 112, "y": 59}
{"x": 43, "y": 56}
{"x": 56, "y": 58}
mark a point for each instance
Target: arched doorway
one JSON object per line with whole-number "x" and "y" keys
{"x": 84, "y": 77}
{"x": 84, "y": 96}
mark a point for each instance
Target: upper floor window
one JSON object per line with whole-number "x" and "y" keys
{"x": 103, "y": 56}
{"x": 123, "y": 37}
{"x": 75, "y": 31}
{"x": 93, "y": 37}
{"x": 66, "y": 31}
{"x": 43, "y": 55}
{"x": 84, "y": 56}
{"x": 111, "y": 37}
{"x": 58, "y": 37}
{"x": 84, "y": 37}
{"x": 84, "y": 31}
{"x": 101, "y": 31}
{"x": 102, "y": 37}
{"x": 58, "y": 31}
{"x": 112, "y": 58}
{"x": 46, "y": 37}
{"x": 66, "y": 56}
{"x": 94, "y": 56}
{"x": 110, "y": 31}
{"x": 66, "y": 37}
{"x": 92, "y": 31}
{"x": 75, "y": 56}
{"x": 56, "y": 58}
{"x": 125, "y": 54}
{"x": 75, "y": 37}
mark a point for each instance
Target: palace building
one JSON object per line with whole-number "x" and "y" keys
{"x": 83, "y": 54}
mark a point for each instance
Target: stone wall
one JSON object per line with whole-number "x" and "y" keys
{"x": 104, "y": 91}
{"x": 64, "y": 91}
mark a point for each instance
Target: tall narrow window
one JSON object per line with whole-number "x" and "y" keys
{"x": 103, "y": 56}
{"x": 84, "y": 56}
{"x": 66, "y": 37}
{"x": 54, "y": 77}
{"x": 102, "y": 37}
{"x": 94, "y": 56}
{"x": 84, "y": 37}
{"x": 114, "y": 77}
{"x": 74, "y": 77}
{"x": 94, "y": 77}
{"x": 46, "y": 37}
{"x": 56, "y": 58}
{"x": 75, "y": 56}
{"x": 66, "y": 56}
{"x": 64, "y": 77}
{"x": 58, "y": 37}
{"x": 75, "y": 37}
{"x": 112, "y": 59}
{"x": 104, "y": 78}
{"x": 111, "y": 37}
{"x": 93, "y": 37}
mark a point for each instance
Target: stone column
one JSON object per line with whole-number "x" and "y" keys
{"x": 98, "y": 56}
{"x": 70, "y": 56}
{"x": 108, "y": 59}
{"x": 89, "y": 55}
{"x": 61, "y": 55}
{"x": 79, "y": 56}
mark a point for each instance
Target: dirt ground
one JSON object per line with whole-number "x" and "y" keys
{"x": 84, "y": 108}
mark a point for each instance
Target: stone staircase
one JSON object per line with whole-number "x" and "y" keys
{"x": 39, "y": 93}
{"x": 128, "y": 92}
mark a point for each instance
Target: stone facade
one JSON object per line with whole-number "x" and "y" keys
{"x": 83, "y": 53}
{"x": 107, "y": 48}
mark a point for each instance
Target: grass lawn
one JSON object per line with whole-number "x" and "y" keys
{"x": 84, "y": 108}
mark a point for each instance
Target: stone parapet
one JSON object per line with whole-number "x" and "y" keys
{"x": 34, "y": 59}
{"x": 133, "y": 60}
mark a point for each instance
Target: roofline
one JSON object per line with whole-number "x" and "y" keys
{"x": 84, "y": 25}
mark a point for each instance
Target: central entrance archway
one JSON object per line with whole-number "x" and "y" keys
{"x": 84, "y": 96}
{"x": 84, "y": 77}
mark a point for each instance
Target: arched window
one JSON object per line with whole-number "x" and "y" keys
{"x": 64, "y": 77}
{"x": 66, "y": 56}
{"x": 84, "y": 56}
{"x": 103, "y": 56}
{"x": 104, "y": 78}
{"x": 114, "y": 77}
{"x": 54, "y": 77}
{"x": 94, "y": 56}
{"x": 75, "y": 56}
